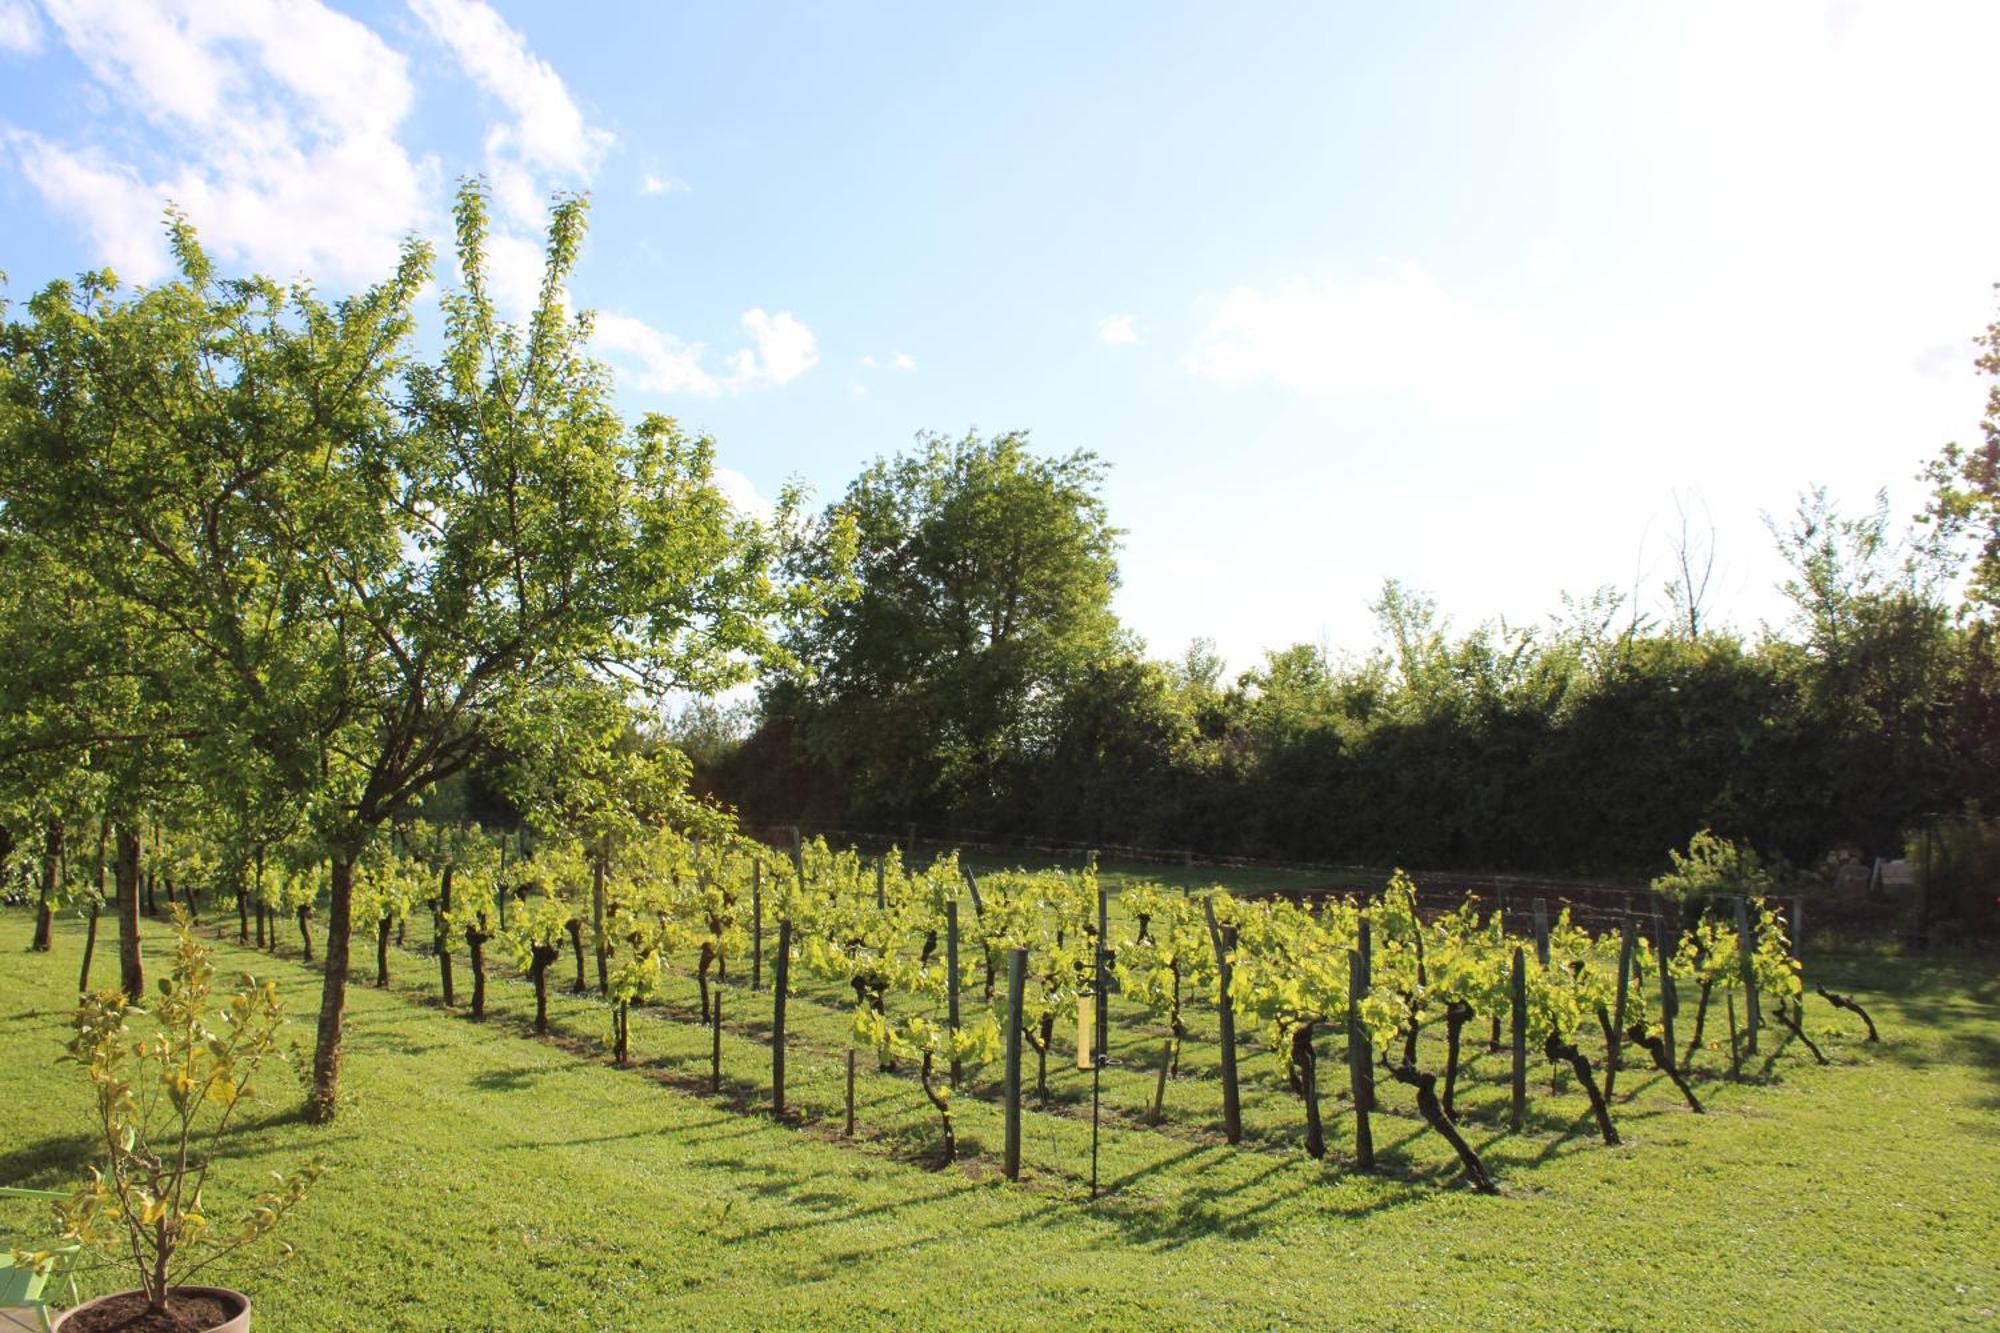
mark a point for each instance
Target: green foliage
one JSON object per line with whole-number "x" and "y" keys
{"x": 1712, "y": 865}
{"x": 984, "y": 576}
{"x": 169, "y": 1078}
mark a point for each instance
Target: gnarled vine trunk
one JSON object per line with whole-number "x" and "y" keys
{"x": 1559, "y": 1050}
{"x": 1434, "y": 1114}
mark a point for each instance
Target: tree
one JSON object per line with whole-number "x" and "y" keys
{"x": 985, "y": 575}
{"x": 1964, "y": 508}
{"x": 384, "y": 567}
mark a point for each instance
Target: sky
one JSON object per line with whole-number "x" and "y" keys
{"x": 1477, "y": 297}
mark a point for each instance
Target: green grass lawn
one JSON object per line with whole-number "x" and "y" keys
{"x": 483, "y": 1178}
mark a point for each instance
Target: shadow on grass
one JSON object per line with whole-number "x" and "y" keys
{"x": 51, "y": 1163}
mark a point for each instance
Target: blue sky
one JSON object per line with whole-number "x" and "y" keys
{"x": 1460, "y": 294}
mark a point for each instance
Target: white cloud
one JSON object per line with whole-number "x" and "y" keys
{"x": 515, "y": 266}
{"x": 20, "y": 30}
{"x": 785, "y": 349}
{"x": 547, "y": 134}
{"x": 1548, "y": 260}
{"x": 1118, "y": 331}
{"x": 122, "y": 211}
{"x": 654, "y": 361}
{"x": 280, "y": 121}
{"x": 743, "y": 495}
{"x": 904, "y": 361}
{"x": 658, "y": 362}
{"x": 1397, "y": 333}
{"x": 653, "y": 183}
{"x": 900, "y": 361}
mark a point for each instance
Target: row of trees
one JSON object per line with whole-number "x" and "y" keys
{"x": 980, "y": 684}
{"x": 268, "y": 568}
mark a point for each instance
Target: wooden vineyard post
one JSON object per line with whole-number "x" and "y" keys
{"x": 715, "y": 1049}
{"x": 1224, "y": 940}
{"x": 1017, "y": 975}
{"x": 1799, "y": 930}
{"x": 756, "y": 925}
{"x": 1359, "y": 1068}
{"x": 850, "y": 1093}
{"x": 597, "y": 923}
{"x": 781, "y": 969}
{"x": 1747, "y": 948}
{"x": 1518, "y": 989}
{"x": 951, "y": 980}
{"x": 1542, "y": 931}
{"x": 1102, "y": 1044}
{"x": 1614, "y": 1054}
{"x": 1365, "y": 937}
{"x": 881, "y": 883}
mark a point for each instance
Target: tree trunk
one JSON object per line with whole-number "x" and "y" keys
{"x": 96, "y": 905}
{"x": 242, "y": 907}
{"x": 581, "y": 987}
{"x": 333, "y": 993}
{"x": 444, "y": 935}
{"x": 131, "y": 972}
{"x": 1306, "y": 1061}
{"x": 89, "y": 949}
{"x": 942, "y": 1101}
{"x": 1456, "y": 1016}
{"x": 305, "y": 929}
{"x": 1700, "y": 1021}
{"x": 475, "y": 946}
{"x": 1434, "y": 1115}
{"x": 382, "y": 929}
{"x": 1558, "y": 1049}
{"x": 541, "y": 958}
{"x": 1663, "y": 1060}
{"x": 1847, "y": 1002}
{"x": 45, "y": 910}
{"x": 1796, "y": 1022}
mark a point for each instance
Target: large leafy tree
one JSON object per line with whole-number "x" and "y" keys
{"x": 1964, "y": 509}
{"x": 985, "y": 574}
{"x": 381, "y": 567}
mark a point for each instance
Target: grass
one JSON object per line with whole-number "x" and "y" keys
{"x": 485, "y": 1179}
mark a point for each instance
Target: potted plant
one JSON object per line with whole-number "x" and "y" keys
{"x": 169, "y": 1078}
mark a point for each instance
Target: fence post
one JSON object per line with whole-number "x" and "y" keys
{"x": 951, "y": 974}
{"x": 881, "y": 883}
{"x": 1542, "y": 931}
{"x": 1519, "y": 992}
{"x": 782, "y": 969}
{"x": 756, "y": 925}
{"x": 1224, "y": 940}
{"x": 1017, "y": 973}
{"x": 1670, "y": 999}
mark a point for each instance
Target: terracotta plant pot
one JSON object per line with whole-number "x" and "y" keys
{"x": 81, "y": 1318}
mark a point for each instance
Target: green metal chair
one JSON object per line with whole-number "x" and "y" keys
{"x": 22, "y": 1285}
